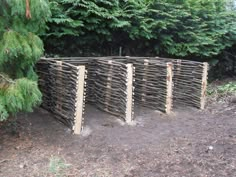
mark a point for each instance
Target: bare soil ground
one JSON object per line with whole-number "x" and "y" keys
{"x": 189, "y": 143}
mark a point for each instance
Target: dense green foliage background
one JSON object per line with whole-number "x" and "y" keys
{"x": 197, "y": 29}
{"x": 20, "y": 49}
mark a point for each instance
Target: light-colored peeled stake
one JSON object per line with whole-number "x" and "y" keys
{"x": 79, "y": 100}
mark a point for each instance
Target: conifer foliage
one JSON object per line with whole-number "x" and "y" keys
{"x": 20, "y": 48}
{"x": 196, "y": 29}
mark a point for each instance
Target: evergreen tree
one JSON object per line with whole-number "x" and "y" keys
{"x": 20, "y": 48}
{"x": 192, "y": 29}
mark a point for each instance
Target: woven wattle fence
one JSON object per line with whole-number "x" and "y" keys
{"x": 190, "y": 82}
{"x": 90, "y": 65}
{"x": 62, "y": 85}
{"x": 109, "y": 85}
{"x": 114, "y": 84}
{"x": 114, "y": 88}
{"x": 153, "y": 84}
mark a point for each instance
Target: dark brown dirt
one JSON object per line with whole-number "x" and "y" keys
{"x": 189, "y": 143}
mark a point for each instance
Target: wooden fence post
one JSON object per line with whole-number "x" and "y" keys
{"x": 144, "y": 89}
{"x": 109, "y": 80}
{"x": 204, "y": 86}
{"x": 169, "y": 85}
{"x": 58, "y": 83}
{"x": 129, "y": 91}
{"x": 178, "y": 66}
{"x": 79, "y": 100}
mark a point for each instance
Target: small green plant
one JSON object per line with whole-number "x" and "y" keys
{"x": 227, "y": 88}
{"x": 223, "y": 89}
{"x": 57, "y": 166}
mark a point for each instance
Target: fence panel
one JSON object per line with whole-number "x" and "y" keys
{"x": 153, "y": 84}
{"x": 111, "y": 84}
{"x": 62, "y": 85}
{"x": 190, "y": 82}
{"x": 114, "y": 88}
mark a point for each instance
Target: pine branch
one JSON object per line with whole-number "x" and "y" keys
{"x": 5, "y": 79}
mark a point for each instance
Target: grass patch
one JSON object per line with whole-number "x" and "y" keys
{"x": 58, "y": 166}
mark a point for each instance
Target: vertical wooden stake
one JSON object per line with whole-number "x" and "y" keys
{"x": 59, "y": 81}
{"x": 109, "y": 80}
{"x": 176, "y": 81}
{"x": 144, "y": 89}
{"x": 129, "y": 91}
{"x": 178, "y": 67}
{"x": 169, "y": 85}
{"x": 204, "y": 86}
{"x": 79, "y": 100}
